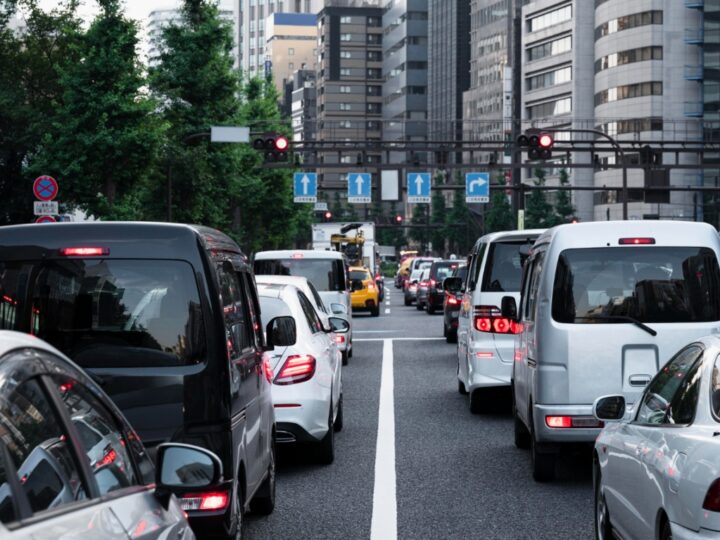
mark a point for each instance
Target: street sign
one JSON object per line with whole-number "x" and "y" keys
{"x": 359, "y": 187}
{"x": 229, "y": 134}
{"x": 305, "y": 187}
{"x": 45, "y": 219}
{"x": 45, "y": 188}
{"x": 477, "y": 187}
{"x": 46, "y": 208}
{"x": 321, "y": 206}
{"x": 418, "y": 187}
{"x": 521, "y": 220}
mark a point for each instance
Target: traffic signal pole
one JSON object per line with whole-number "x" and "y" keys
{"x": 518, "y": 195}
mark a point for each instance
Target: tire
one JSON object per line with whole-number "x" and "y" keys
{"x": 461, "y": 388}
{"x": 264, "y": 501}
{"x": 408, "y": 302}
{"x": 445, "y": 331}
{"x": 325, "y": 450}
{"x": 431, "y": 309}
{"x": 543, "y": 463}
{"x": 603, "y": 527}
{"x": 375, "y": 312}
{"x": 345, "y": 358}
{"x": 419, "y": 306}
{"x": 236, "y": 529}
{"x": 478, "y": 402}
{"x": 339, "y": 418}
{"x": 522, "y": 435}
{"x": 451, "y": 336}
{"x": 665, "y": 530}
{"x": 350, "y": 353}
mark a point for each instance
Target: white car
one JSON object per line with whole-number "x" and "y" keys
{"x": 342, "y": 339}
{"x": 657, "y": 470}
{"x": 307, "y": 376}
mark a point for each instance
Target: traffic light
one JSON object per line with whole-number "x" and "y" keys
{"x": 327, "y": 216}
{"x": 398, "y": 219}
{"x": 273, "y": 146}
{"x": 538, "y": 143}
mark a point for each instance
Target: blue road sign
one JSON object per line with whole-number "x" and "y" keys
{"x": 359, "y": 187}
{"x": 418, "y": 187}
{"x": 305, "y": 187}
{"x": 477, "y": 187}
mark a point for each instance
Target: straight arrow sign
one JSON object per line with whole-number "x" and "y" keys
{"x": 418, "y": 186}
{"x": 305, "y": 187}
{"x": 359, "y": 188}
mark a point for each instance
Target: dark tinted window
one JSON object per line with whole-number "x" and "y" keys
{"x": 316, "y": 297}
{"x": 359, "y": 275}
{"x": 715, "y": 389}
{"x": 475, "y": 265}
{"x": 461, "y": 272}
{"x": 312, "y": 317}
{"x": 503, "y": 270}
{"x": 325, "y": 274}
{"x": 108, "y": 313}
{"x": 651, "y": 284}
{"x": 7, "y": 503}
{"x": 442, "y": 270}
{"x": 38, "y": 447}
{"x": 235, "y": 310}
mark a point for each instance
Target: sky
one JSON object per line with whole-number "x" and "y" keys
{"x": 136, "y": 9}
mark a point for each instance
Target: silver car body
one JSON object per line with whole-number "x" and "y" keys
{"x": 650, "y": 470}
{"x": 306, "y": 404}
{"x": 561, "y": 368}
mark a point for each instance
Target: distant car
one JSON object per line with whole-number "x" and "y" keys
{"x": 342, "y": 339}
{"x": 453, "y": 290}
{"x": 423, "y": 288}
{"x": 380, "y": 282}
{"x": 435, "y": 294}
{"x": 411, "y": 285}
{"x": 60, "y": 484}
{"x": 657, "y": 469}
{"x": 365, "y": 295}
{"x": 307, "y": 376}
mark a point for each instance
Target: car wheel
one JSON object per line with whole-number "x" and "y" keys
{"x": 431, "y": 310}
{"x": 603, "y": 528}
{"x": 345, "y": 358}
{"x": 408, "y": 302}
{"x": 522, "y": 435}
{"x": 478, "y": 402}
{"x": 543, "y": 463}
{"x": 349, "y": 354}
{"x": 338, "y": 425}
{"x": 665, "y": 530}
{"x": 452, "y": 336}
{"x": 325, "y": 453}
{"x": 445, "y": 331}
{"x": 264, "y": 501}
{"x": 375, "y": 312}
{"x": 419, "y": 306}
{"x": 461, "y": 388}
{"x": 236, "y": 528}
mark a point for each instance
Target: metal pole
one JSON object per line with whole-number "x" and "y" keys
{"x": 517, "y": 201}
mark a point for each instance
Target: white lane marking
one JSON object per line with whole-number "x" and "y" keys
{"x": 401, "y": 339}
{"x": 384, "y": 516}
{"x": 387, "y": 311}
{"x": 375, "y": 331}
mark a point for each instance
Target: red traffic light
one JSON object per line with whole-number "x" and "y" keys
{"x": 281, "y": 143}
{"x": 546, "y": 140}
{"x": 327, "y": 215}
{"x": 398, "y": 219}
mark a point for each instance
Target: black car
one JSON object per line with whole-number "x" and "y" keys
{"x": 435, "y": 293}
{"x": 166, "y": 318}
{"x": 452, "y": 302}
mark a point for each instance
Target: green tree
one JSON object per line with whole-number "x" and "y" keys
{"x": 438, "y": 218}
{"x": 563, "y": 203}
{"x": 462, "y": 230}
{"x": 393, "y": 235}
{"x": 103, "y": 143}
{"x": 538, "y": 212}
{"x": 499, "y": 215}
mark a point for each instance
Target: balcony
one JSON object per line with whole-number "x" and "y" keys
{"x": 694, "y": 109}
{"x": 693, "y": 73}
{"x": 695, "y": 4}
{"x": 694, "y": 36}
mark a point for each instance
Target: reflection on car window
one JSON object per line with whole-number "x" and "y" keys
{"x": 235, "y": 312}
{"x": 715, "y": 389}
{"x": 325, "y": 274}
{"x": 651, "y": 284}
{"x": 673, "y": 391}
{"x": 503, "y": 270}
{"x": 38, "y": 448}
{"x": 104, "y": 444}
{"x": 7, "y": 505}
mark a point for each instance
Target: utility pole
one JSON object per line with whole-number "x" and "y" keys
{"x": 518, "y": 197}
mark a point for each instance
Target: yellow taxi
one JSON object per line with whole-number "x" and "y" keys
{"x": 364, "y": 293}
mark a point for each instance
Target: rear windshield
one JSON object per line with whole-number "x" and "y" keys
{"x": 460, "y": 272}
{"x": 650, "y": 284}
{"x": 325, "y": 274}
{"x": 441, "y": 271}
{"x": 503, "y": 270}
{"x": 107, "y": 313}
{"x": 359, "y": 275}
{"x": 273, "y": 307}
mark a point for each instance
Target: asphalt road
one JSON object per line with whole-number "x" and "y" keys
{"x": 458, "y": 475}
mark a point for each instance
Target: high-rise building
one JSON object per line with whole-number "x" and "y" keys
{"x": 303, "y": 104}
{"x": 291, "y": 45}
{"x": 710, "y": 38}
{"x": 557, "y": 82}
{"x": 405, "y": 69}
{"x": 448, "y": 66}
{"x": 349, "y": 83}
{"x": 252, "y": 33}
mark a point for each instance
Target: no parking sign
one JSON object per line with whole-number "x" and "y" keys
{"x": 45, "y": 188}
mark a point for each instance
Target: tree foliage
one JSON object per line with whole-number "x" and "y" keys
{"x": 499, "y": 215}
{"x": 538, "y": 212}
{"x": 438, "y": 218}
{"x": 564, "y": 208}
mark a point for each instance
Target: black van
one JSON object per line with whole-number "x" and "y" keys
{"x": 166, "y": 318}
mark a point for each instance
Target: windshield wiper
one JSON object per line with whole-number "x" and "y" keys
{"x": 625, "y": 318}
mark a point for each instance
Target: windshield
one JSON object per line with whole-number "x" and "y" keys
{"x": 503, "y": 269}
{"x": 273, "y": 307}
{"x": 650, "y": 284}
{"x": 324, "y": 274}
{"x": 360, "y": 275}
{"x": 443, "y": 270}
{"x": 109, "y": 313}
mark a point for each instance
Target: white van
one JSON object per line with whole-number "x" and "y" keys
{"x": 326, "y": 270}
{"x": 486, "y": 341}
{"x": 604, "y": 304}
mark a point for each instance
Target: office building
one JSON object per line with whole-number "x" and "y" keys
{"x": 253, "y": 37}
{"x": 711, "y": 104}
{"x": 349, "y": 83}
{"x": 291, "y": 45}
{"x": 303, "y": 104}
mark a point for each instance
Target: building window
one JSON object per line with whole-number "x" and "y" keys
{"x": 550, "y": 18}
{"x": 291, "y": 52}
{"x": 374, "y": 90}
{"x": 345, "y": 20}
{"x": 551, "y": 78}
{"x": 345, "y": 37}
{"x": 628, "y": 57}
{"x": 345, "y": 89}
{"x": 345, "y": 72}
{"x": 345, "y": 107}
{"x": 291, "y": 66}
{"x": 628, "y": 91}
{"x": 550, "y": 108}
{"x": 551, "y": 48}
{"x": 345, "y": 54}
{"x": 635, "y": 125}
{"x": 627, "y": 22}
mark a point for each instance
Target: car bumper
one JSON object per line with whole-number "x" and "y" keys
{"x": 681, "y": 533}
{"x": 543, "y": 433}
{"x": 436, "y": 299}
{"x": 485, "y": 368}
{"x": 410, "y": 295}
{"x": 306, "y": 410}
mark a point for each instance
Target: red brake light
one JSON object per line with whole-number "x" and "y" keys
{"x": 107, "y": 459}
{"x": 267, "y": 369}
{"x": 558, "y": 421}
{"x": 483, "y": 324}
{"x": 84, "y": 251}
{"x": 573, "y": 422}
{"x": 339, "y": 339}
{"x": 488, "y": 319}
{"x": 296, "y": 369}
{"x": 432, "y": 283}
{"x": 297, "y": 256}
{"x": 214, "y": 500}
{"x": 636, "y": 241}
{"x": 371, "y": 286}
{"x": 712, "y": 498}
{"x": 451, "y": 300}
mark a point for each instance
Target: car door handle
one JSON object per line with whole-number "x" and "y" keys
{"x": 639, "y": 380}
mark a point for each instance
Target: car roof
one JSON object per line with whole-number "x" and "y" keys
{"x": 11, "y": 340}
{"x": 503, "y": 235}
{"x": 300, "y": 282}
{"x": 359, "y": 269}
{"x": 306, "y": 254}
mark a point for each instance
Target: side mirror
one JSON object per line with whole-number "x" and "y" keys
{"x": 339, "y": 325}
{"x": 338, "y": 309}
{"x": 182, "y": 467}
{"x": 281, "y": 332}
{"x": 609, "y": 408}
{"x": 508, "y": 308}
{"x": 357, "y": 285}
{"x": 452, "y": 284}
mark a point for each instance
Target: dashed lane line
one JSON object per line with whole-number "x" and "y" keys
{"x": 399, "y": 338}
{"x": 387, "y": 311}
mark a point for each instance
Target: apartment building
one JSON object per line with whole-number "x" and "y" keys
{"x": 291, "y": 45}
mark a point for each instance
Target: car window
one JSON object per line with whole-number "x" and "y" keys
{"x": 530, "y": 300}
{"x": 318, "y": 301}
{"x": 39, "y": 449}
{"x": 474, "y": 267}
{"x": 503, "y": 269}
{"x": 101, "y": 437}
{"x": 234, "y": 310}
{"x": 253, "y": 305}
{"x": 442, "y": 271}
{"x": 671, "y": 392}
{"x": 715, "y": 389}
{"x": 359, "y": 275}
{"x": 310, "y": 314}
{"x": 325, "y": 274}
{"x": 8, "y": 511}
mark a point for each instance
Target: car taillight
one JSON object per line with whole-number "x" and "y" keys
{"x": 712, "y": 498}
{"x": 84, "y": 251}
{"x": 636, "y": 241}
{"x": 109, "y": 457}
{"x": 488, "y": 319}
{"x": 423, "y": 283}
{"x": 267, "y": 369}
{"x": 339, "y": 339}
{"x": 296, "y": 369}
{"x": 573, "y": 422}
{"x": 371, "y": 286}
{"x": 214, "y": 500}
{"x": 558, "y": 421}
{"x": 451, "y": 299}
{"x": 432, "y": 283}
